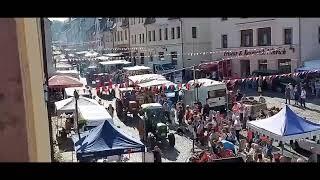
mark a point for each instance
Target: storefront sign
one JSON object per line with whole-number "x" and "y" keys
{"x": 247, "y": 52}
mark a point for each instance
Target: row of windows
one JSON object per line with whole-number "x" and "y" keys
{"x": 136, "y": 21}
{"x": 264, "y": 37}
{"x": 163, "y": 34}
{"x": 174, "y": 57}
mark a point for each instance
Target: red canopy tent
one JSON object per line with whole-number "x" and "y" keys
{"x": 62, "y": 81}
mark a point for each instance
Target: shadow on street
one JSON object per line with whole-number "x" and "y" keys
{"x": 65, "y": 144}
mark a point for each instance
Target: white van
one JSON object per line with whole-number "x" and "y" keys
{"x": 210, "y": 91}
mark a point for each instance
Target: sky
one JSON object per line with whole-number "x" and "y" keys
{"x": 58, "y": 19}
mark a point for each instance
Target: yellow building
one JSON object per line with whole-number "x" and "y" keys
{"x": 24, "y": 126}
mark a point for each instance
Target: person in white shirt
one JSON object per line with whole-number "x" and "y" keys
{"x": 303, "y": 97}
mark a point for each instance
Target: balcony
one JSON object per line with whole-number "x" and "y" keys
{"x": 150, "y": 21}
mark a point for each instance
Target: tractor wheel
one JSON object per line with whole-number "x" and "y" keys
{"x": 172, "y": 140}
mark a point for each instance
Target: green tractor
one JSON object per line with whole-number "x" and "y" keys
{"x": 156, "y": 124}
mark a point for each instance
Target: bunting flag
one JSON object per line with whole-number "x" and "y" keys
{"x": 188, "y": 86}
{"x": 179, "y": 86}
{"x": 110, "y": 83}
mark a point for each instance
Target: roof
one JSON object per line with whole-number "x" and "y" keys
{"x": 63, "y": 81}
{"x": 115, "y": 62}
{"x": 136, "y": 68}
{"x": 69, "y": 91}
{"x": 94, "y": 115}
{"x": 156, "y": 83}
{"x": 113, "y": 54}
{"x": 151, "y": 106}
{"x": 68, "y": 105}
{"x": 146, "y": 78}
{"x": 103, "y": 57}
{"x": 82, "y": 52}
{"x": 105, "y": 140}
{"x": 67, "y": 72}
{"x": 91, "y": 54}
{"x": 285, "y": 125}
{"x": 206, "y": 82}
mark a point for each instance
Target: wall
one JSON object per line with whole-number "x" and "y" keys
{"x": 310, "y": 49}
{"x": 13, "y": 127}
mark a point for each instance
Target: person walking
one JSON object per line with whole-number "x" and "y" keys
{"x": 296, "y": 95}
{"x": 303, "y": 97}
{"x": 287, "y": 94}
{"x": 291, "y": 91}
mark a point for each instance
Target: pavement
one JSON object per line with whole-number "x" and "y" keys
{"x": 182, "y": 150}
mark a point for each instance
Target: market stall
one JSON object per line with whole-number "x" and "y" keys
{"x": 104, "y": 141}
{"x": 93, "y": 116}
{"x": 68, "y": 105}
{"x": 137, "y": 70}
{"x": 285, "y": 126}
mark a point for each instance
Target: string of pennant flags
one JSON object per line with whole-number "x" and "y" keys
{"x": 250, "y": 52}
{"x": 179, "y": 86}
{"x": 270, "y": 77}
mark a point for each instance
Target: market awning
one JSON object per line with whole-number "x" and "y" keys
{"x": 62, "y": 81}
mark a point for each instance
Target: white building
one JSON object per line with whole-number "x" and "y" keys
{"x": 287, "y": 42}
{"x": 162, "y": 39}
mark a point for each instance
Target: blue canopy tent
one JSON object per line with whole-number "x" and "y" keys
{"x": 285, "y": 126}
{"x": 103, "y": 141}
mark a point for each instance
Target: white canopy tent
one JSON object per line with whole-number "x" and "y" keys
{"x": 94, "y": 115}
{"x": 68, "y": 105}
{"x": 136, "y": 68}
{"x": 82, "y": 91}
{"x": 285, "y": 126}
{"x": 156, "y": 83}
{"x": 146, "y": 78}
{"x": 115, "y": 62}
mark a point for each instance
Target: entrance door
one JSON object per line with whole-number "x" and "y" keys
{"x": 244, "y": 68}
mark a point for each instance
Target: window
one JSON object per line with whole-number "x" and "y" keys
{"x": 160, "y": 34}
{"x": 178, "y": 32}
{"x": 118, "y": 35}
{"x": 174, "y": 57}
{"x": 132, "y": 39}
{"x": 141, "y": 58}
{"x": 172, "y": 33}
{"x": 224, "y": 41}
{"x": 194, "y": 32}
{"x": 264, "y": 36}
{"x": 142, "y": 19}
{"x": 284, "y": 66}
{"x": 149, "y": 35}
{"x": 151, "y": 57}
{"x": 247, "y": 38}
{"x": 217, "y": 93}
{"x": 125, "y": 35}
{"x": 262, "y": 65}
{"x": 139, "y": 20}
{"x": 224, "y": 19}
{"x": 134, "y": 20}
{"x": 288, "y": 36}
{"x": 166, "y": 34}
{"x": 135, "y": 39}
{"x": 161, "y": 56}
{"x": 143, "y": 38}
{"x": 121, "y": 36}
{"x": 139, "y": 38}
{"x": 154, "y": 35}
{"x": 115, "y": 36}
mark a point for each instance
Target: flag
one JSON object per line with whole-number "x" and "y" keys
{"x": 110, "y": 84}
{"x": 188, "y": 86}
{"x": 180, "y": 86}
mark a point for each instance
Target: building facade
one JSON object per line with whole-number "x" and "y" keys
{"x": 162, "y": 39}
{"x": 281, "y": 44}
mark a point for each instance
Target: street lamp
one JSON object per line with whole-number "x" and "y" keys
{"x": 76, "y": 97}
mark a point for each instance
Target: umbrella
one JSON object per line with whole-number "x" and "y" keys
{"x": 62, "y": 81}
{"x": 228, "y": 145}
